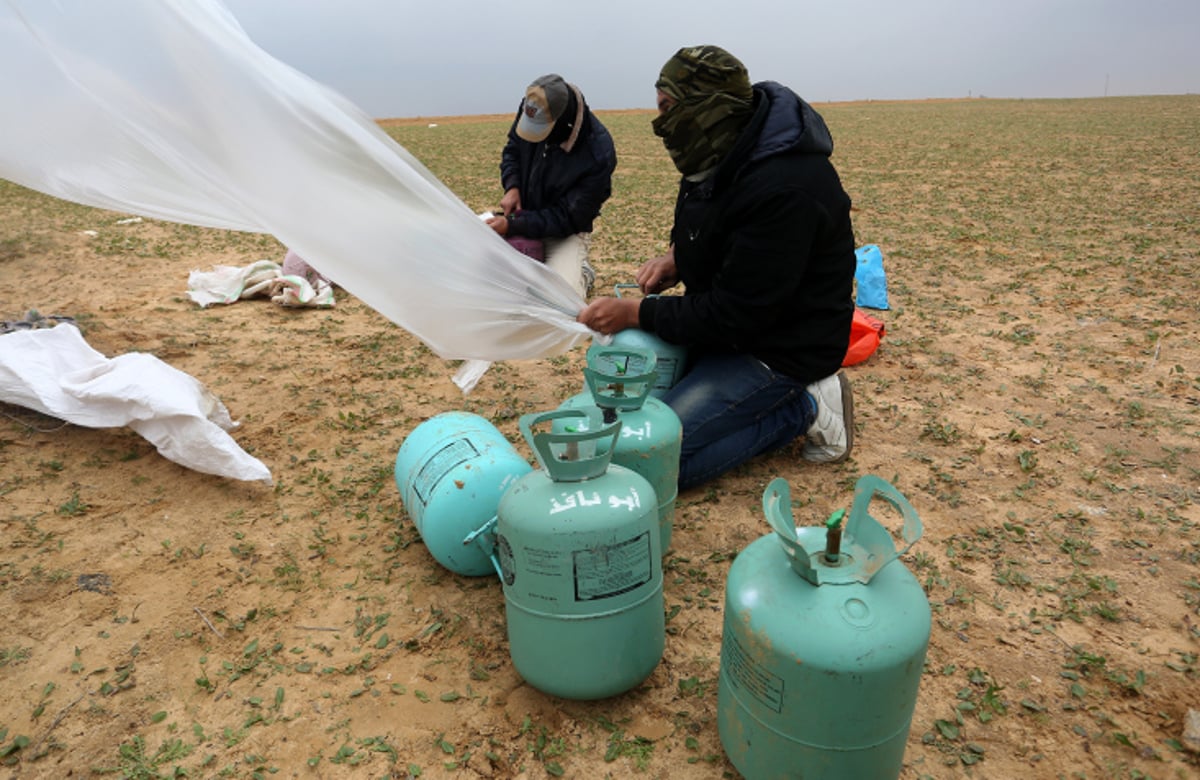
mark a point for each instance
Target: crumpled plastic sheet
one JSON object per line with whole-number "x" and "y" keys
{"x": 56, "y": 372}
{"x": 167, "y": 109}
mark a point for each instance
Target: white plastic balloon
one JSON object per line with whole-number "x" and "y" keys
{"x": 168, "y": 110}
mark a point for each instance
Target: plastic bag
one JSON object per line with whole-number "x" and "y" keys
{"x": 168, "y": 110}
{"x": 870, "y": 278}
{"x": 865, "y": 334}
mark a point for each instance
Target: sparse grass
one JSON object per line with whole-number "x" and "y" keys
{"x": 14, "y": 655}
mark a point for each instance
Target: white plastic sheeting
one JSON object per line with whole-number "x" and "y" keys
{"x": 167, "y": 109}
{"x": 56, "y": 372}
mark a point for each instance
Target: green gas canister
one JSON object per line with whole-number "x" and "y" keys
{"x": 824, "y": 644}
{"x": 672, "y": 358}
{"x": 451, "y": 472}
{"x": 619, "y": 380}
{"x": 577, "y": 549}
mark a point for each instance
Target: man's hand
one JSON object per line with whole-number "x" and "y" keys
{"x": 658, "y": 274}
{"x": 610, "y": 315}
{"x": 511, "y": 201}
{"x": 499, "y": 224}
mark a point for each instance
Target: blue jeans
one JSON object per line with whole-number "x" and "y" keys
{"x": 733, "y": 408}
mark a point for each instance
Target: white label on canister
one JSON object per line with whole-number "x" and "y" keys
{"x": 543, "y": 571}
{"x": 666, "y": 373}
{"x": 612, "y": 569}
{"x": 541, "y": 562}
{"x": 439, "y": 464}
{"x": 751, "y": 676}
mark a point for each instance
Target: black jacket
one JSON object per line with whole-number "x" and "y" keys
{"x": 562, "y": 185}
{"x": 765, "y": 248}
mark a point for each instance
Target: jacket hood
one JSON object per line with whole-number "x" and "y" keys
{"x": 782, "y": 123}
{"x": 789, "y": 124}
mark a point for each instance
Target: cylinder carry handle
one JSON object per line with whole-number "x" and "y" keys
{"x": 619, "y": 377}
{"x": 864, "y": 539}
{"x": 572, "y": 455}
{"x": 777, "y": 506}
{"x": 872, "y": 534}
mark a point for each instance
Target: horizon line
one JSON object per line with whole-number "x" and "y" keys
{"x": 964, "y": 99}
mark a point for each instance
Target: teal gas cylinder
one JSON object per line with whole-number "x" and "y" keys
{"x": 672, "y": 358}
{"x": 824, "y": 643}
{"x": 619, "y": 380}
{"x": 576, "y": 544}
{"x": 451, "y": 471}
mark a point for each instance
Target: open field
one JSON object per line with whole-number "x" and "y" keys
{"x": 1036, "y": 398}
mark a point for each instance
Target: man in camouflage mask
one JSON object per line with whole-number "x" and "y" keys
{"x": 712, "y": 102}
{"x": 763, "y": 245}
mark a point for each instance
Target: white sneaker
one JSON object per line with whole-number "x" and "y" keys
{"x": 831, "y": 436}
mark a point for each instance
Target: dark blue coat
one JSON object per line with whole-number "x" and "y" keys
{"x": 562, "y": 185}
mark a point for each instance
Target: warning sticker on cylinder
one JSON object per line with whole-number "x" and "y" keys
{"x": 609, "y": 570}
{"x": 439, "y": 464}
{"x": 751, "y": 676}
{"x": 666, "y": 371}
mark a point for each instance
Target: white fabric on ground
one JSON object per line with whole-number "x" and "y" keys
{"x": 54, "y": 371}
{"x": 229, "y": 284}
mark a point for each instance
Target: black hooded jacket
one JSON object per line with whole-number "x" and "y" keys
{"x": 765, "y": 248}
{"x": 563, "y": 183}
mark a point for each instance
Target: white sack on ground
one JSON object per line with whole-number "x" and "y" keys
{"x": 167, "y": 109}
{"x": 54, "y": 371}
{"x": 229, "y": 284}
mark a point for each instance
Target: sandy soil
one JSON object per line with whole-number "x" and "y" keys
{"x": 158, "y": 618}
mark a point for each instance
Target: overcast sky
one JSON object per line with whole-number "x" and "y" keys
{"x": 408, "y": 58}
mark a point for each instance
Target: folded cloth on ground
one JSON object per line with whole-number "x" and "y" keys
{"x": 229, "y": 284}
{"x": 56, "y": 372}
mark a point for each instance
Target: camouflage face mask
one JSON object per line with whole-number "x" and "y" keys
{"x": 713, "y": 101}
{"x": 695, "y": 137}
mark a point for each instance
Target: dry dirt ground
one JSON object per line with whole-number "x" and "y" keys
{"x": 1036, "y": 399}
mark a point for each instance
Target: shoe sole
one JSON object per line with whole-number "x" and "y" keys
{"x": 847, "y": 417}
